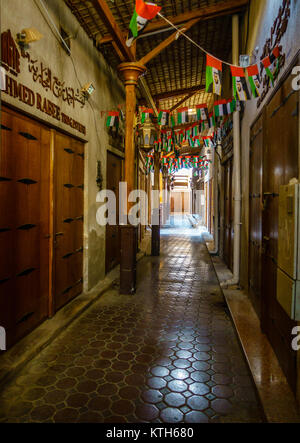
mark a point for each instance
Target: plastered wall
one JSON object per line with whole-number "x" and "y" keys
{"x": 90, "y": 66}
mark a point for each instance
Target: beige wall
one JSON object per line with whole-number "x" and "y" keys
{"x": 263, "y": 14}
{"x": 90, "y": 66}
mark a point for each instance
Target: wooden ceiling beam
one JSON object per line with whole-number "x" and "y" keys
{"x": 164, "y": 44}
{"x": 147, "y": 94}
{"x": 220, "y": 9}
{"x": 177, "y": 92}
{"x": 182, "y": 101}
{"x": 113, "y": 28}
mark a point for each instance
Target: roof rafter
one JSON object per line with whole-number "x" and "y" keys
{"x": 222, "y": 8}
{"x": 107, "y": 17}
{"x": 165, "y": 43}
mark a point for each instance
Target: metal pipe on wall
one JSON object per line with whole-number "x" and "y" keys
{"x": 236, "y": 166}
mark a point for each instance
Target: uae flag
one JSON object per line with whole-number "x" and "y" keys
{"x": 163, "y": 118}
{"x": 144, "y": 11}
{"x": 172, "y": 121}
{"x": 212, "y": 120}
{"x": 254, "y": 80}
{"x": 213, "y": 75}
{"x": 182, "y": 116}
{"x": 195, "y": 130}
{"x": 239, "y": 82}
{"x": 169, "y": 142}
{"x": 181, "y": 136}
{"x": 273, "y": 59}
{"x": 113, "y": 119}
{"x": 207, "y": 142}
{"x": 231, "y": 106}
{"x": 146, "y": 114}
{"x": 220, "y": 108}
{"x": 202, "y": 112}
{"x": 157, "y": 146}
{"x": 197, "y": 142}
{"x": 204, "y": 125}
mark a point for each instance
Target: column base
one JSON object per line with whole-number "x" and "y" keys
{"x": 155, "y": 244}
{"x": 128, "y": 259}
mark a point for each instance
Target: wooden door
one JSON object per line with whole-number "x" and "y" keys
{"x": 228, "y": 214}
{"x": 255, "y": 213}
{"x": 280, "y": 165}
{"x": 114, "y": 176}
{"x": 24, "y": 224}
{"x": 68, "y": 218}
{"x": 211, "y": 199}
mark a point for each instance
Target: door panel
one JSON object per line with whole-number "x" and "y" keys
{"x": 114, "y": 176}
{"x": 280, "y": 165}
{"x": 24, "y": 224}
{"x": 68, "y": 219}
{"x": 255, "y": 214}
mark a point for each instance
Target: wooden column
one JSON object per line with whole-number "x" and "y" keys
{"x": 130, "y": 71}
{"x": 156, "y": 208}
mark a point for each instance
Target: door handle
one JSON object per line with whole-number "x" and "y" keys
{"x": 59, "y": 234}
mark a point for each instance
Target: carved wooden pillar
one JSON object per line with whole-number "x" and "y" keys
{"x": 130, "y": 71}
{"x": 156, "y": 208}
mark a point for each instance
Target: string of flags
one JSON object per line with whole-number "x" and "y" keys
{"x": 246, "y": 83}
{"x": 241, "y": 77}
{"x": 174, "y": 163}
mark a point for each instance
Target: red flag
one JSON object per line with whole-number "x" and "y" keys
{"x": 146, "y": 10}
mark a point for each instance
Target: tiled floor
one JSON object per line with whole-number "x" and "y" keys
{"x": 168, "y": 354}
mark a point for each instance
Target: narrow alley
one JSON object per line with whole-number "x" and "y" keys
{"x": 167, "y": 354}
{"x": 150, "y": 213}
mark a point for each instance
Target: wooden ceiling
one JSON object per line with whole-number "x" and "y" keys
{"x": 178, "y": 72}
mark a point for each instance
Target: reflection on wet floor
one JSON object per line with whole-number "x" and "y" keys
{"x": 167, "y": 354}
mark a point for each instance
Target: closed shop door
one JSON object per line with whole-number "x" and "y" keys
{"x": 255, "y": 213}
{"x": 68, "y": 218}
{"x": 113, "y": 178}
{"x": 24, "y": 224}
{"x": 228, "y": 214}
{"x": 280, "y": 165}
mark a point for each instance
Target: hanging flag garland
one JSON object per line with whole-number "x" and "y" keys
{"x": 220, "y": 108}
{"x": 146, "y": 112}
{"x": 144, "y": 11}
{"x": 231, "y": 106}
{"x": 182, "y": 116}
{"x": 239, "y": 83}
{"x": 254, "y": 80}
{"x": 202, "y": 112}
{"x": 163, "y": 117}
{"x": 113, "y": 119}
{"x": 213, "y": 75}
{"x": 269, "y": 61}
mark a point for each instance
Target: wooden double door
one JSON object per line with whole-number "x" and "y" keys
{"x": 34, "y": 205}
{"x": 274, "y": 162}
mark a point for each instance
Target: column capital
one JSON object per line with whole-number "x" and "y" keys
{"x": 131, "y": 71}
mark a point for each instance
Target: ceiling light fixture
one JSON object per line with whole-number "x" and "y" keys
{"x": 88, "y": 90}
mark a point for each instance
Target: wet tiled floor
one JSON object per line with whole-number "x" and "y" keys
{"x": 168, "y": 354}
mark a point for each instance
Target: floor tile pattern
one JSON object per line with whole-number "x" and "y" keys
{"x": 167, "y": 354}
